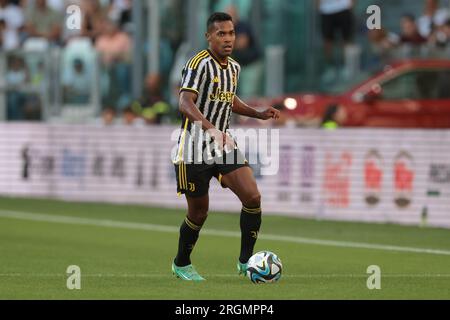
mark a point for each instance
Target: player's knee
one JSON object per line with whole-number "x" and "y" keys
{"x": 253, "y": 201}
{"x": 198, "y": 215}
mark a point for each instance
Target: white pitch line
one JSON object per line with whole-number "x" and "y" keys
{"x": 211, "y": 232}
{"x": 231, "y": 275}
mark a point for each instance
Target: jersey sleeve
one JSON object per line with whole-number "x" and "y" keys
{"x": 192, "y": 75}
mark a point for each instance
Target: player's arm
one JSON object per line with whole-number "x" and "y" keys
{"x": 188, "y": 108}
{"x": 240, "y": 107}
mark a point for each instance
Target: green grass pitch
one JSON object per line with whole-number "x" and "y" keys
{"x": 125, "y": 252}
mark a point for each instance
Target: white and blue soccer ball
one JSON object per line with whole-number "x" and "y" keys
{"x": 264, "y": 267}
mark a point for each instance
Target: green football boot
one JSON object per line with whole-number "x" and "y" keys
{"x": 186, "y": 273}
{"x": 242, "y": 268}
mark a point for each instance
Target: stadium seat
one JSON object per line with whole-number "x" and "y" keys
{"x": 78, "y": 48}
{"x": 36, "y": 45}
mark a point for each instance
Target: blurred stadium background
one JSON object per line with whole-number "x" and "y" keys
{"x": 87, "y": 116}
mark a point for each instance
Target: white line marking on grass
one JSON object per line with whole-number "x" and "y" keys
{"x": 231, "y": 275}
{"x": 211, "y": 232}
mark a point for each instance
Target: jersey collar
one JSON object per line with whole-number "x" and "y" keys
{"x": 223, "y": 66}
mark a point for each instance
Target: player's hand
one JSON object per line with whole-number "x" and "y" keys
{"x": 222, "y": 140}
{"x": 228, "y": 142}
{"x": 269, "y": 113}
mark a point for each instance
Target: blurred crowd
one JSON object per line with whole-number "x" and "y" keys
{"x": 104, "y": 22}
{"x": 106, "y": 28}
{"x": 423, "y": 35}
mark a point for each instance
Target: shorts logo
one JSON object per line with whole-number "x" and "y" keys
{"x": 191, "y": 187}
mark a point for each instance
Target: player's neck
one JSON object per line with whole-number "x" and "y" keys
{"x": 222, "y": 60}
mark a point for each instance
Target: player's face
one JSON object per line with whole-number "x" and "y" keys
{"x": 221, "y": 38}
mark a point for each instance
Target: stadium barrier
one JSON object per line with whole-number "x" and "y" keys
{"x": 371, "y": 175}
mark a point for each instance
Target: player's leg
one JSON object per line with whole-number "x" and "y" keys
{"x": 190, "y": 228}
{"x": 193, "y": 181}
{"x": 242, "y": 182}
{"x": 189, "y": 233}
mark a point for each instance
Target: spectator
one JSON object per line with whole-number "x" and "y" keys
{"x": 114, "y": 47}
{"x": 77, "y": 84}
{"x": 16, "y": 76}
{"x": 37, "y": 77}
{"x": 248, "y": 54}
{"x": 130, "y": 118}
{"x": 441, "y": 38}
{"x": 58, "y": 6}
{"x": 120, "y": 12}
{"x": 94, "y": 15}
{"x": 113, "y": 44}
{"x": 2, "y": 33}
{"x": 2, "y": 30}
{"x": 333, "y": 117}
{"x": 44, "y": 22}
{"x": 155, "y": 106}
{"x": 13, "y": 22}
{"x": 149, "y": 116}
{"x": 108, "y": 116}
{"x": 20, "y": 105}
{"x": 383, "y": 45}
{"x": 336, "y": 18}
{"x": 152, "y": 90}
{"x": 410, "y": 34}
{"x": 172, "y": 26}
{"x": 55, "y": 5}
{"x": 432, "y": 18}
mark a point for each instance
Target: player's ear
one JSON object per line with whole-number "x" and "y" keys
{"x": 207, "y": 36}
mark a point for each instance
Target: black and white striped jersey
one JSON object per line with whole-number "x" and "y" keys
{"x": 215, "y": 85}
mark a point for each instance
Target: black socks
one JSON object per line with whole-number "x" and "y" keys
{"x": 250, "y": 224}
{"x": 189, "y": 232}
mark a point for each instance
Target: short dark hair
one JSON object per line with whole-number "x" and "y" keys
{"x": 217, "y": 17}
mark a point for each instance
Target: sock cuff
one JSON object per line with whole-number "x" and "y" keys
{"x": 251, "y": 210}
{"x": 192, "y": 225}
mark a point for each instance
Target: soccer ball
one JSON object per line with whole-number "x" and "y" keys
{"x": 264, "y": 267}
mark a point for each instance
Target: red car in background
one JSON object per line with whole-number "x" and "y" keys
{"x": 405, "y": 94}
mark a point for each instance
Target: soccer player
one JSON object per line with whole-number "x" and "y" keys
{"x": 207, "y": 99}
